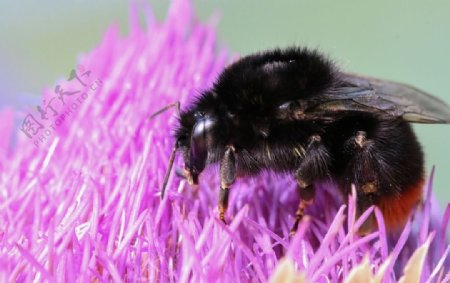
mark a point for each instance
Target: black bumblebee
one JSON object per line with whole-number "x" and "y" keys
{"x": 293, "y": 110}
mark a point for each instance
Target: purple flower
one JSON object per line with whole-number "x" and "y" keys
{"x": 83, "y": 204}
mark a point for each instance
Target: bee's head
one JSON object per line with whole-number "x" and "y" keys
{"x": 200, "y": 135}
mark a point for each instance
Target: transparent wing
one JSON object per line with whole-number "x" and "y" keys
{"x": 364, "y": 94}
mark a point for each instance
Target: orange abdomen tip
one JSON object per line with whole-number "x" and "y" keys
{"x": 397, "y": 209}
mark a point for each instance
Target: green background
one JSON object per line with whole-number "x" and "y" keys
{"x": 406, "y": 41}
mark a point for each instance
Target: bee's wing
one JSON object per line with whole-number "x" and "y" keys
{"x": 365, "y": 94}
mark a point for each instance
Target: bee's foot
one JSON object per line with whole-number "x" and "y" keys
{"x": 222, "y": 217}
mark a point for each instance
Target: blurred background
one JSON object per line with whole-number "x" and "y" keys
{"x": 406, "y": 41}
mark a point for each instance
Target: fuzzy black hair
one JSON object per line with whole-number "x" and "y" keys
{"x": 270, "y": 78}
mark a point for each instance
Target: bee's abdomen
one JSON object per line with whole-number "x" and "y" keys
{"x": 396, "y": 208}
{"x": 384, "y": 161}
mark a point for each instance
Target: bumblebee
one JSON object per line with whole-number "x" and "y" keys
{"x": 293, "y": 110}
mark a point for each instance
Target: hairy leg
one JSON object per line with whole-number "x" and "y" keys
{"x": 313, "y": 168}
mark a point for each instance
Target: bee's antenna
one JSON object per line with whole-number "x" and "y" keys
{"x": 169, "y": 169}
{"x": 177, "y": 104}
{"x": 175, "y": 147}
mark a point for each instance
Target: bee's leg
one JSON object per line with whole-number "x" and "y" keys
{"x": 307, "y": 195}
{"x": 314, "y": 167}
{"x": 384, "y": 161}
{"x": 227, "y": 178}
{"x": 362, "y": 172}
